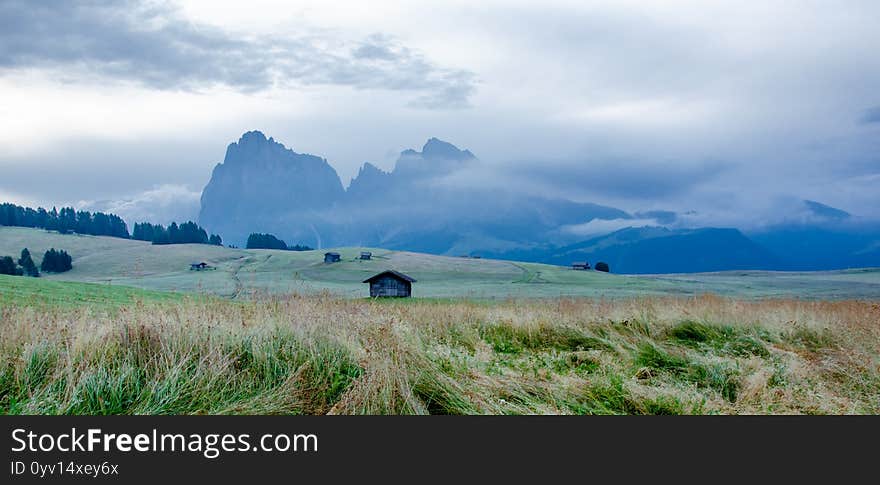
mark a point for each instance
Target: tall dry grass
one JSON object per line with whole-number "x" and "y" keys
{"x": 319, "y": 355}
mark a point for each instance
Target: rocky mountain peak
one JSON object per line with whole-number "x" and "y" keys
{"x": 261, "y": 180}
{"x": 436, "y": 148}
{"x": 823, "y": 211}
{"x": 437, "y": 156}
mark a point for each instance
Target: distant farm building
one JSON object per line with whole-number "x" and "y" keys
{"x": 390, "y": 283}
{"x": 366, "y": 255}
{"x": 331, "y": 257}
{"x": 580, "y": 265}
{"x": 198, "y": 266}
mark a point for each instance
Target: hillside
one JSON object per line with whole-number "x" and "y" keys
{"x": 240, "y": 272}
{"x": 42, "y": 292}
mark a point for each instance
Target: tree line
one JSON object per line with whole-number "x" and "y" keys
{"x": 186, "y": 233}
{"x": 53, "y": 262}
{"x": 66, "y": 220}
{"x": 269, "y": 241}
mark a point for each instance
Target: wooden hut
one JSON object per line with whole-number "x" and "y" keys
{"x": 390, "y": 283}
{"x": 198, "y": 266}
{"x": 331, "y": 257}
{"x": 366, "y": 255}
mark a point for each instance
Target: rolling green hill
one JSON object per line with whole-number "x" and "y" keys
{"x": 40, "y": 291}
{"x": 240, "y": 273}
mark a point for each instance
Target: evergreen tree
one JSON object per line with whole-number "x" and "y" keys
{"x": 101, "y": 224}
{"x": 84, "y": 223}
{"x": 65, "y": 221}
{"x": 117, "y": 228}
{"x": 264, "y": 241}
{"x": 215, "y": 240}
{"x": 52, "y": 224}
{"x": 145, "y": 231}
{"x": 8, "y": 266}
{"x": 173, "y": 233}
{"x": 27, "y": 263}
{"x": 56, "y": 261}
{"x": 160, "y": 235}
{"x": 189, "y": 232}
{"x": 42, "y": 218}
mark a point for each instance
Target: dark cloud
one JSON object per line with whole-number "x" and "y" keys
{"x": 871, "y": 115}
{"x": 154, "y": 46}
{"x": 631, "y": 180}
{"x": 661, "y": 216}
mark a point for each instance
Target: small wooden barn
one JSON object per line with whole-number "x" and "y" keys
{"x": 390, "y": 283}
{"x": 198, "y": 266}
{"x": 580, "y": 265}
{"x": 366, "y": 255}
{"x": 331, "y": 257}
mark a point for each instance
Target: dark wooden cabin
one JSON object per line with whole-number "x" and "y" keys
{"x": 366, "y": 255}
{"x": 198, "y": 266}
{"x": 390, "y": 283}
{"x": 331, "y": 257}
{"x": 580, "y": 265}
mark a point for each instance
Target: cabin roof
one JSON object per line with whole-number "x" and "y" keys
{"x": 390, "y": 272}
{"x": 331, "y": 253}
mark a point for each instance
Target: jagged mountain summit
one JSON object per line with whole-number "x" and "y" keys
{"x": 261, "y": 183}
{"x": 262, "y": 186}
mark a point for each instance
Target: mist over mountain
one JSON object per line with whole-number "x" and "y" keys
{"x": 263, "y": 186}
{"x": 659, "y": 250}
{"x": 821, "y": 237}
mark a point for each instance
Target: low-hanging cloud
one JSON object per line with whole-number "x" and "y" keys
{"x": 598, "y": 227}
{"x": 631, "y": 180}
{"x": 871, "y": 115}
{"x": 161, "y": 204}
{"x": 153, "y": 45}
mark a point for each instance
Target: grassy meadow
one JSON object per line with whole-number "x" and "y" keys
{"x": 241, "y": 273}
{"x": 131, "y": 330}
{"x": 142, "y": 352}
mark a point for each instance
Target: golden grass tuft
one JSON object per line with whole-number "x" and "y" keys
{"x": 320, "y": 354}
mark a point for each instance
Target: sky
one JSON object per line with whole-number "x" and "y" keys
{"x": 730, "y": 111}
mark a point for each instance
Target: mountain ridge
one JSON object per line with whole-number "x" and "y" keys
{"x": 263, "y": 186}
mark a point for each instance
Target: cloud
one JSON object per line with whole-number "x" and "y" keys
{"x": 871, "y": 115}
{"x": 14, "y": 198}
{"x": 661, "y": 216}
{"x": 161, "y": 204}
{"x": 152, "y": 44}
{"x": 598, "y": 227}
{"x": 621, "y": 179}
{"x": 615, "y": 102}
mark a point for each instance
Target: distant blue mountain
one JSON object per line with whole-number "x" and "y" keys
{"x": 821, "y": 238}
{"x": 826, "y": 211}
{"x": 659, "y": 250}
{"x": 263, "y": 186}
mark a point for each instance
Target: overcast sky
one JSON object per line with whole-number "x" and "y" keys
{"x": 731, "y": 109}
